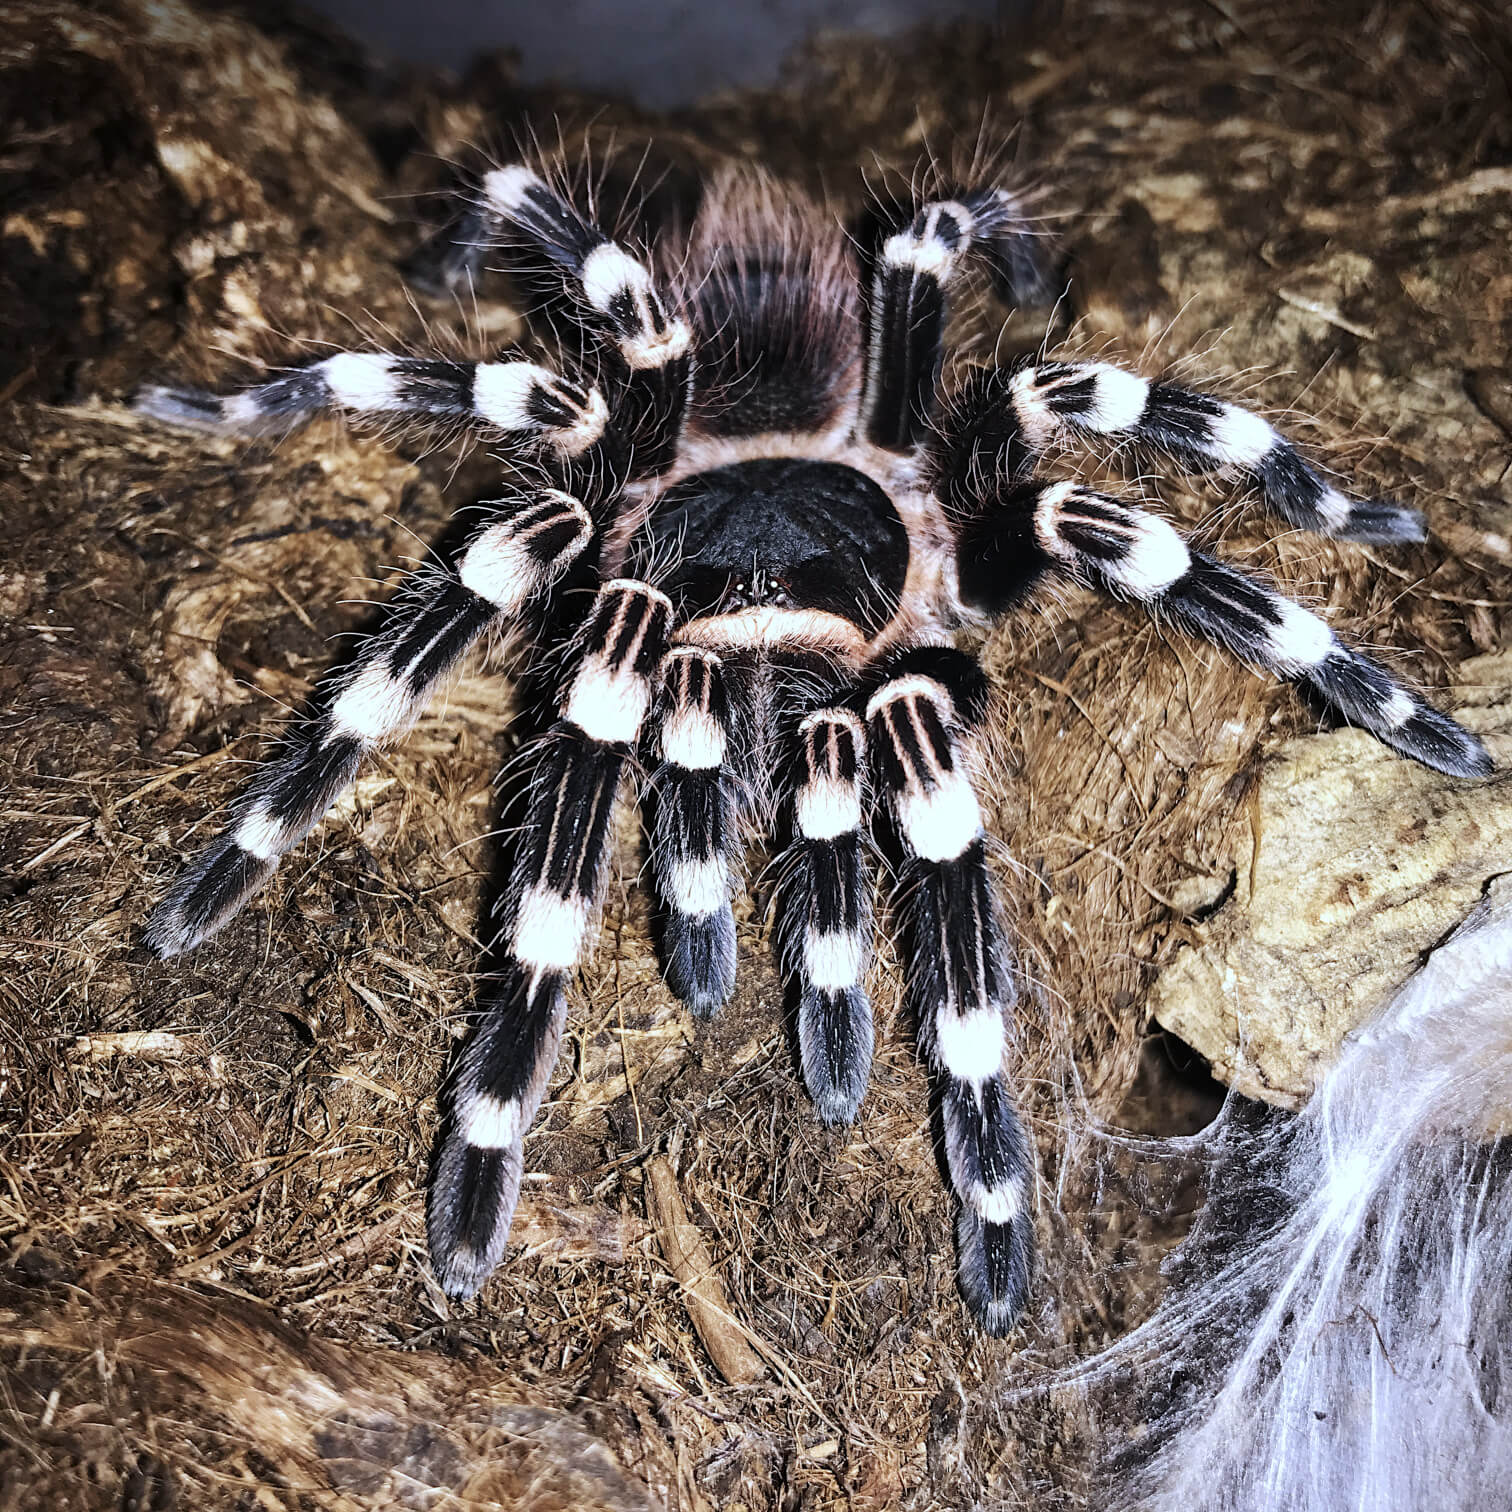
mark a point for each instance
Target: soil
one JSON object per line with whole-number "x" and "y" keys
{"x": 214, "y": 1290}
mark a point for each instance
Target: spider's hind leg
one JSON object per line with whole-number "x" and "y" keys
{"x": 628, "y": 334}
{"x": 611, "y": 291}
{"x": 960, "y": 973}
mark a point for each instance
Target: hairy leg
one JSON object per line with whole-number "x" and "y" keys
{"x": 508, "y": 562}
{"x": 907, "y": 303}
{"x": 960, "y": 981}
{"x": 551, "y": 904}
{"x": 517, "y": 401}
{"x": 1132, "y": 554}
{"x": 1003, "y": 420}
{"x": 825, "y": 913}
{"x": 694, "y": 836}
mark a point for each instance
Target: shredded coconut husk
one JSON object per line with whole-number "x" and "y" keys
{"x": 216, "y": 1292}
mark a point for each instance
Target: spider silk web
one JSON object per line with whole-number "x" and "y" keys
{"x": 1336, "y": 1331}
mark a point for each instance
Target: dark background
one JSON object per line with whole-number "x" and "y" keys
{"x": 664, "y": 52}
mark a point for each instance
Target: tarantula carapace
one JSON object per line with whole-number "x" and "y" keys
{"x": 748, "y": 457}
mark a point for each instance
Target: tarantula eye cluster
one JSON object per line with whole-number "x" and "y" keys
{"x": 785, "y": 523}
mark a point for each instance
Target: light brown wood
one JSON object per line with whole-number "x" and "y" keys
{"x": 723, "y": 1335}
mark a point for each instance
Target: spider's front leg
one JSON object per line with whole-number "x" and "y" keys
{"x": 548, "y": 910}
{"x": 960, "y": 967}
{"x": 518, "y": 555}
{"x": 824, "y": 920}
{"x": 694, "y": 835}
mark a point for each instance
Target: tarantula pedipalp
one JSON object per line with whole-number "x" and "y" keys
{"x": 785, "y": 524}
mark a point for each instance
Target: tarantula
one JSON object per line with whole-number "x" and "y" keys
{"x": 748, "y": 458}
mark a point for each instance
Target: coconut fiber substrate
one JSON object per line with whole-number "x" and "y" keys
{"x": 214, "y": 1286}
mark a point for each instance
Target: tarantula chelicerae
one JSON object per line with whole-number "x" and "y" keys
{"x": 749, "y": 459}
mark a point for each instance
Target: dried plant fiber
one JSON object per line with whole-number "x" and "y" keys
{"x": 211, "y": 1176}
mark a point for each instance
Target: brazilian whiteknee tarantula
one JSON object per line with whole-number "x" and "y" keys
{"x": 749, "y": 459}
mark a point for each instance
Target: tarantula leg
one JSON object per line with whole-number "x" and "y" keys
{"x": 825, "y": 914}
{"x": 907, "y": 306}
{"x": 961, "y": 984}
{"x": 1020, "y": 414}
{"x": 1134, "y": 555}
{"x": 550, "y": 905}
{"x": 611, "y": 294}
{"x": 519, "y": 400}
{"x": 694, "y": 830}
{"x": 506, "y": 563}
{"x": 611, "y": 285}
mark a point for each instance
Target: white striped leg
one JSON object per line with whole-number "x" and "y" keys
{"x": 1051, "y": 400}
{"x": 553, "y": 898}
{"x": 1139, "y": 556}
{"x": 825, "y": 914}
{"x": 614, "y": 290}
{"x": 694, "y": 834}
{"x": 509, "y": 561}
{"x": 907, "y": 306}
{"x": 961, "y": 985}
{"x": 520, "y": 400}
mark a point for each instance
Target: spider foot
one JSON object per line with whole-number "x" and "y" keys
{"x": 1365, "y": 694}
{"x": 209, "y": 892}
{"x": 198, "y": 408}
{"x": 835, "y": 1039}
{"x": 825, "y": 915}
{"x": 1379, "y": 522}
{"x": 700, "y": 959}
{"x": 994, "y": 1261}
{"x": 475, "y": 1184}
{"x": 471, "y": 1205}
{"x": 1442, "y": 744}
{"x": 991, "y": 1167}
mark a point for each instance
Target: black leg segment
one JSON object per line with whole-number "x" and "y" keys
{"x": 549, "y": 910}
{"x": 961, "y": 985}
{"x": 516, "y": 401}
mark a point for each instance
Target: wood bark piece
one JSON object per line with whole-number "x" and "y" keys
{"x": 1361, "y": 863}
{"x": 708, "y": 1304}
{"x": 354, "y": 1430}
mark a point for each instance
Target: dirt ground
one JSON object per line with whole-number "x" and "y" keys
{"x": 214, "y": 1289}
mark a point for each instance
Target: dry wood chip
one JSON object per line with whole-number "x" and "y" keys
{"x": 708, "y": 1305}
